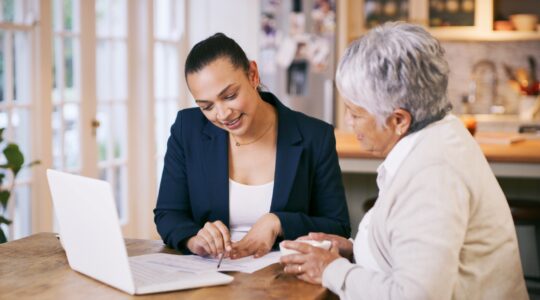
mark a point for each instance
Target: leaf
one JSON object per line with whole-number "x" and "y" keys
{"x": 3, "y": 238}
{"x": 4, "y": 197}
{"x": 4, "y": 220}
{"x": 14, "y": 158}
{"x": 2, "y": 134}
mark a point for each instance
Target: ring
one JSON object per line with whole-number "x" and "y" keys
{"x": 299, "y": 269}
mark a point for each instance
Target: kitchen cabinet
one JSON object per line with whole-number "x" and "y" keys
{"x": 352, "y": 24}
{"x": 419, "y": 12}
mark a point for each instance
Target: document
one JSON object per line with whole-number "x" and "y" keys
{"x": 198, "y": 265}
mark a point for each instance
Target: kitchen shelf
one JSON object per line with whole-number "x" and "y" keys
{"x": 458, "y": 34}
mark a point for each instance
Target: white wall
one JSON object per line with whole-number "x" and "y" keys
{"x": 238, "y": 19}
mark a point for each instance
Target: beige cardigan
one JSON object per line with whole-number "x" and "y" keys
{"x": 441, "y": 230}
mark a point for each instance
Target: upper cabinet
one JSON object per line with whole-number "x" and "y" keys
{"x": 457, "y": 20}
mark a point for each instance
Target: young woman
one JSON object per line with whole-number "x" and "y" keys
{"x": 243, "y": 171}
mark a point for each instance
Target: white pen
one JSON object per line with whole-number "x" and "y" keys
{"x": 220, "y": 259}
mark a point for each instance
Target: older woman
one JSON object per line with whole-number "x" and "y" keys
{"x": 441, "y": 227}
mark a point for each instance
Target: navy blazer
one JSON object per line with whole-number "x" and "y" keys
{"x": 308, "y": 193}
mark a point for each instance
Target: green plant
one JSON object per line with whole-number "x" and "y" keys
{"x": 14, "y": 162}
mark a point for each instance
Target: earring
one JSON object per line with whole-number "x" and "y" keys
{"x": 398, "y": 132}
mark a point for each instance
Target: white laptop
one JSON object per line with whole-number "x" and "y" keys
{"x": 91, "y": 235}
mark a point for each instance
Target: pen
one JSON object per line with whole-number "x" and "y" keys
{"x": 220, "y": 259}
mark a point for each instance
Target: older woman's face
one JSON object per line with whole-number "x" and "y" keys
{"x": 371, "y": 136}
{"x": 226, "y": 95}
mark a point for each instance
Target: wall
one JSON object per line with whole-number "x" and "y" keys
{"x": 463, "y": 55}
{"x": 238, "y": 19}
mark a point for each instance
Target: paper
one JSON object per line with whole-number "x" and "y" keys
{"x": 198, "y": 265}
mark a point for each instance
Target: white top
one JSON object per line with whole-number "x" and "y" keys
{"x": 247, "y": 203}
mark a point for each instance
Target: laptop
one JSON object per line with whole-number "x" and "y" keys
{"x": 91, "y": 236}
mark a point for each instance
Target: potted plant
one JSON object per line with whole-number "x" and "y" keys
{"x": 13, "y": 162}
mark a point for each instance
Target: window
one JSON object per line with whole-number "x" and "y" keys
{"x": 168, "y": 72}
{"x": 111, "y": 80}
{"x": 66, "y": 93}
{"x": 16, "y": 103}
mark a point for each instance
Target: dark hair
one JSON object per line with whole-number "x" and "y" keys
{"x": 217, "y": 46}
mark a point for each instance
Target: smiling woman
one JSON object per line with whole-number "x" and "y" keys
{"x": 242, "y": 171}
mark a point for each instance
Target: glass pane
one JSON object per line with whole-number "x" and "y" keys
{"x": 8, "y": 13}
{"x": 67, "y": 17}
{"x": 58, "y": 70}
{"x": 22, "y": 216}
{"x": 102, "y": 23}
{"x": 172, "y": 108}
{"x": 56, "y": 13}
{"x": 71, "y": 57}
{"x": 68, "y": 63}
{"x": 172, "y": 72}
{"x": 162, "y": 18}
{"x": 103, "y": 71}
{"x": 103, "y": 133}
{"x": 161, "y": 127}
{"x": 159, "y": 71}
{"x": 57, "y": 138}
{"x": 120, "y": 131}
{"x": 118, "y": 18}
{"x": 22, "y": 68}
{"x": 451, "y": 13}
{"x": 103, "y": 174}
{"x": 119, "y": 70}
{"x": 2, "y": 67}
{"x": 72, "y": 139}
{"x": 378, "y": 12}
{"x": 120, "y": 183}
{"x": 20, "y": 125}
{"x": 3, "y": 121}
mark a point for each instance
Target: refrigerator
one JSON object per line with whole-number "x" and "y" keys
{"x": 297, "y": 58}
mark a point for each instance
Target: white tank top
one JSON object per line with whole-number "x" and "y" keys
{"x": 247, "y": 203}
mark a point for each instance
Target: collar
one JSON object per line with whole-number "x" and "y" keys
{"x": 389, "y": 167}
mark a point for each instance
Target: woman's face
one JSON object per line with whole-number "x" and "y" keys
{"x": 227, "y": 96}
{"x": 371, "y": 136}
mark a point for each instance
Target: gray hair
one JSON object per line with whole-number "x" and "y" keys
{"x": 396, "y": 65}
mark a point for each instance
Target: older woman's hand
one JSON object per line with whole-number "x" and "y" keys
{"x": 310, "y": 263}
{"x": 344, "y": 245}
{"x": 260, "y": 238}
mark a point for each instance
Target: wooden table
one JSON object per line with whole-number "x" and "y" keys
{"x": 521, "y": 159}
{"x": 36, "y": 268}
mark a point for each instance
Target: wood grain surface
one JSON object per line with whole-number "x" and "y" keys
{"x": 36, "y": 268}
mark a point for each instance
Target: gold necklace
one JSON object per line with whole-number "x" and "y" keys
{"x": 258, "y": 138}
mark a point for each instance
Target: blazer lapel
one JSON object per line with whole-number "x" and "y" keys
{"x": 289, "y": 151}
{"x": 216, "y": 169}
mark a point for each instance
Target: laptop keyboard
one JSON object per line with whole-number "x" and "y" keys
{"x": 145, "y": 275}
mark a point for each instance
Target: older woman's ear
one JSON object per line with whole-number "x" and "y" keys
{"x": 400, "y": 120}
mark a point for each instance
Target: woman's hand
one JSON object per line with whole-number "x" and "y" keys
{"x": 213, "y": 239}
{"x": 310, "y": 263}
{"x": 344, "y": 245}
{"x": 260, "y": 238}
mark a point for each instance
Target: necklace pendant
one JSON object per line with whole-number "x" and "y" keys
{"x": 237, "y": 144}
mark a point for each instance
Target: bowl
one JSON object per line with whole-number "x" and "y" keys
{"x": 524, "y": 22}
{"x": 319, "y": 244}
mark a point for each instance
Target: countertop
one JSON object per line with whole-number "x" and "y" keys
{"x": 526, "y": 151}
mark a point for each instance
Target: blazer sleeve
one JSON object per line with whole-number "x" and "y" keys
{"x": 426, "y": 228}
{"x": 172, "y": 215}
{"x": 328, "y": 208}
